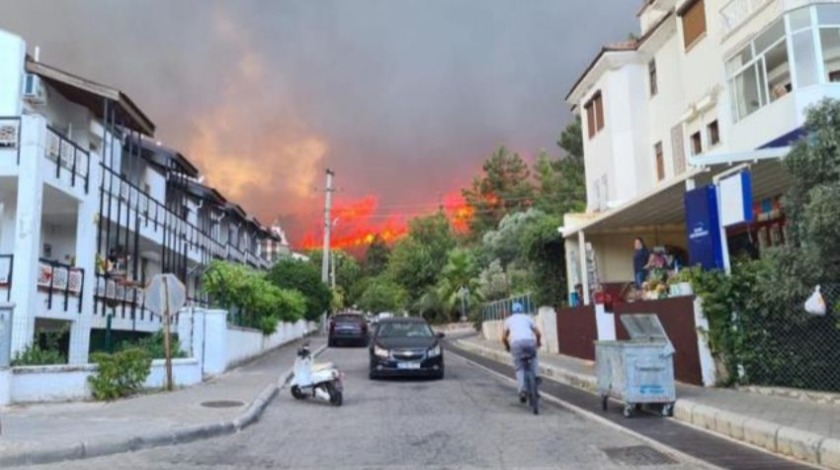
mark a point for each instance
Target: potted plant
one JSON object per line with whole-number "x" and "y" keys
{"x": 680, "y": 283}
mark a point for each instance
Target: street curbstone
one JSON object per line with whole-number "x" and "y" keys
{"x": 683, "y": 410}
{"x": 830, "y": 453}
{"x": 802, "y": 445}
{"x": 156, "y": 439}
{"x": 761, "y": 433}
{"x": 40, "y": 457}
{"x": 103, "y": 448}
{"x": 704, "y": 416}
{"x": 730, "y": 424}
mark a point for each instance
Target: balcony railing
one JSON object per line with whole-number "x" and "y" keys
{"x": 737, "y": 12}
{"x": 10, "y": 134}
{"x": 153, "y": 213}
{"x": 7, "y": 264}
{"x": 61, "y": 282}
{"x": 69, "y": 157}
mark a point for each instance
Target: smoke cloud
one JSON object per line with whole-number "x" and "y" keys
{"x": 403, "y": 99}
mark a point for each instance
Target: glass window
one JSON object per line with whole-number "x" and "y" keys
{"x": 800, "y": 19}
{"x": 654, "y": 86}
{"x": 828, "y": 15}
{"x": 739, "y": 61}
{"x": 696, "y": 143}
{"x": 714, "y": 133}
{"x": 770, "y": 37}
{"x": 746, "y": 92}
{"x": 659, "y": 157}
{"x": 805, "y": 57}
{"x": 830, "y": 42}
{"x": 778, "y": 71}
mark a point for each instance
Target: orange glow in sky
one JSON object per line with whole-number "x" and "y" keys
{"x": 359, "y": 221}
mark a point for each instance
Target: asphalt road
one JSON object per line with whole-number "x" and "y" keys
{"x": 471, "y": 419}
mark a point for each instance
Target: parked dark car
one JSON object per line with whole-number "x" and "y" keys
{"x": 348, "y": 328}
{"x": 405, "y": 347}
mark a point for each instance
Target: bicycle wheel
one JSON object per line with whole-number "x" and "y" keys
{"x": 533, "y": 393}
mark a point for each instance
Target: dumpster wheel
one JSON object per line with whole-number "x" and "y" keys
{"x": 604, "y": 402}
{"x": 628, "y": 410}
{"x": 668, "y": 410}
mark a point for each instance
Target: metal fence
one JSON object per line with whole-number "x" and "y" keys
{"x": 500, "y": 309}
{"x": 792, "y": 348}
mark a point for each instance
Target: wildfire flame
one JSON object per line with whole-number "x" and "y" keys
{"x": 359, "y": 221}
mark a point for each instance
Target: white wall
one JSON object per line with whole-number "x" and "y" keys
{"x": 244, "y": 343}
{"x": 12, "y": 53}
{"x": 67, "y": 383}
{"x": 62, "y": 238}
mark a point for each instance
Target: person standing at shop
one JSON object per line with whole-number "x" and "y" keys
{"x": 640, "y": 261}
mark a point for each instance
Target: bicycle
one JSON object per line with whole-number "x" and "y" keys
{"x": 531, "y": 383}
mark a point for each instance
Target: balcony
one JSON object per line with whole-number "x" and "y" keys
{"x": 61, "y": 286}
{"x": 72, "y": 163}
{"x": 10, "y": 137}
{"x": 737, "y": 12}
{"x": 7, "y": 263}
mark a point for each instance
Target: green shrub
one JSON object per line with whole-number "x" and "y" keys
{"x": 33, "y": 355}
{"x": 153, "y": 345}
{"x": 120, "y": 374}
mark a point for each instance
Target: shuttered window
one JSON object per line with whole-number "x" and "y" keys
{"x": 660, "y": 161}
{"x": 693, "y": 22}
{"x": 595, "y": 114}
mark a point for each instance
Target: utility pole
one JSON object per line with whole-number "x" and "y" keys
{"x": 332, "y": 261}
{"x": 325, "y": 258}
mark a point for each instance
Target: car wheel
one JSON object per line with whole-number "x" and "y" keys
{"x": 372, "y": 375}
{"x": 330, "y": 343}
{"x": 439, "y": 375}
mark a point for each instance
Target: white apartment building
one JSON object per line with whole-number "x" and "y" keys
{"x": 91, "y": 207}
{"x": 708, "y": 84}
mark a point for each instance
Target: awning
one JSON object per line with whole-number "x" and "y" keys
{"x": 663, "y": 206}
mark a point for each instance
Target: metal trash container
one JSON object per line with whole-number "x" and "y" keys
{"x": 639, "y": 371}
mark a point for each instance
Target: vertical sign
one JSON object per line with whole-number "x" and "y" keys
{"x": 703, "y": 228}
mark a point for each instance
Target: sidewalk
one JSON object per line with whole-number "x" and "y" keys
{"x": 802, "y": 430}
{"x": 42, "y": 433}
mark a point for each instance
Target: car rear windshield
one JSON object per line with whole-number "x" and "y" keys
{"x": 405, "y": 330}
{"x": 348, "y": 319}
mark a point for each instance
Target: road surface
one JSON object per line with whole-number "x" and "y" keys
{"x": 471, "y": 419}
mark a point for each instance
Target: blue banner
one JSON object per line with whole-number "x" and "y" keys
{"x": 703, "y": 228}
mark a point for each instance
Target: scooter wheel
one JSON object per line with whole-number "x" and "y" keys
{"x": 297, "y": 393}
{"x": 336, "y": 398}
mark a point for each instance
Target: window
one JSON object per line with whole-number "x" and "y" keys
{"x": 693, "y": 22}
{"x": 829, "y": 21}
{"x": 660, "y": 161}
{"x": 696, "y": 143}
{"x": 714, "y": 133}
{"x": 760, "y": 73}
{"x": 595, "y": 114}
{"x": 654, "y": 86}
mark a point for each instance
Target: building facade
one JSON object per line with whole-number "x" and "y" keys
{"x": 707, "y": 85}
{"x": 91, "y": 207}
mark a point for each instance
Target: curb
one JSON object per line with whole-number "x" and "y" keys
{"x": 778, "y": 439}
{"x": 101, "y": 448}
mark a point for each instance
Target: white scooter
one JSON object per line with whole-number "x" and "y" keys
{"x": 322, "y": 381}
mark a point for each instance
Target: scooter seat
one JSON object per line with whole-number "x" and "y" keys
{"x": 321, "y": 367}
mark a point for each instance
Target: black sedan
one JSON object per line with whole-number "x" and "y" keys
{"x": 405, "y": 347}
{"x": 348, "y": 328}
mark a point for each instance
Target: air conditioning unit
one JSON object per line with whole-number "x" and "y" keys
{"x": 34, "y": 91}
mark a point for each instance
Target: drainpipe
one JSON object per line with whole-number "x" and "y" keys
{"x": 584, "y": 271}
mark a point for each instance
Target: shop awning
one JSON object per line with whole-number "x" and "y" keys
{"x": 662, "y": 206}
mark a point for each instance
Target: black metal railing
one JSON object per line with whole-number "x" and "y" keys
{"x": 68, "y": 155}
{"x": 154, "y": 213}
{"x": 7, "y": 265}
{"x": 61, "y": 281}
{"x": 10, "y": 127}
{"x": 114, "y": 291}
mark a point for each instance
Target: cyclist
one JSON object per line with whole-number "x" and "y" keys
{"x": 522, "y": 337}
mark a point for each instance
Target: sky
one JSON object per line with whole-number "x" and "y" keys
{"x": 402, "y": 99}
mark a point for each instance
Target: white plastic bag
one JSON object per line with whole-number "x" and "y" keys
{"x": 815, "y": 305}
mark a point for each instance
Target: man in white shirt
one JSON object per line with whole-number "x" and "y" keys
{"x": 522, "y": 338}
